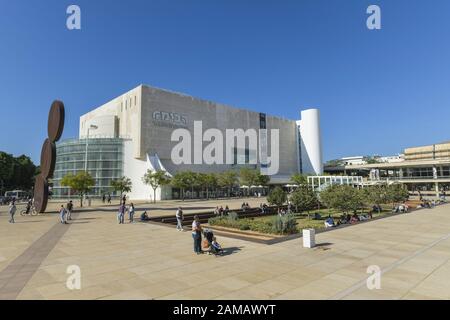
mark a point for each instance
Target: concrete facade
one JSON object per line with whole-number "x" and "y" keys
{"x": 148, "y": 116}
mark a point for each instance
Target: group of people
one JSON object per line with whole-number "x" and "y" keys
{"x": 220, "y": 211}
{"x": 123, "y": 209}
{"x": 401, "y": 208}
{"x": 245, "y": 206}
{"x": 263, "y": 207}
{"x": 65, "y": 213}
{"x": 347, "y": 219}
{"x": 106, "y": 198}
{"x": 427, "y": 204}
{"x": 209, "y": 243}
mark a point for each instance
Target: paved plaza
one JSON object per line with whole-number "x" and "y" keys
{"x": 146, "y": 261}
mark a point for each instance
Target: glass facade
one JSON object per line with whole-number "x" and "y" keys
{"x": 104, "y": 163}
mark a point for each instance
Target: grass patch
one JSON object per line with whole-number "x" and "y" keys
{"x": 291, "y": 224}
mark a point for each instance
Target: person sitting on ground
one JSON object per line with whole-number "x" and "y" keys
{"x": 364, "y": 217}
{"x": 317, "y": 216}
{"x": 376, "y": 208}
{"x": 342, "y": 220}
{"x": 144, "y": 216}
{"x": 226, "y": 210}
{"x": 354, "y": 218}
{"x": 329, "y": 222}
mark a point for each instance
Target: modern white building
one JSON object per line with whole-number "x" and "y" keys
{"x": 149, "y": 123}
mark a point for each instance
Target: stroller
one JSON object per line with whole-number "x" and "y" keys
{"x": 211, "y": 244}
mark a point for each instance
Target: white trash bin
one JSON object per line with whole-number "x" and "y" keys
{"x": 309, "y": 238}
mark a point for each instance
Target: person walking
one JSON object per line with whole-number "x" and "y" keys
{"x": 124, "y": 199}
{"x": 109, "y": 198}
{"x": 103, "y": 198}
{"x": 131, "y": 212}
{"x": 121, "y": 214}
{"x": 62, "y": 215}
{"x": 12, "y": 212}
{"x": 179, "y": 216}
{"x": 69, "y": 207}
{"x": 197, "y": 235}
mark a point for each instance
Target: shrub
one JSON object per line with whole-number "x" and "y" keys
{"x": 214, "y": 221}
{"x": 244, "y": 226}
{"x": 233, "y": 216}
{"x": 277, "y": 197}
{"x": 284, "y": 225}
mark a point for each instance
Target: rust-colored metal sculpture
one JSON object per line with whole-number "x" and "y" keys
{"x": 55, "y": 129}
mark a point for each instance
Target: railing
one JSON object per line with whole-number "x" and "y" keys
{"x": 410, "y": 178}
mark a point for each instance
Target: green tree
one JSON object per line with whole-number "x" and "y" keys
{"x": 208, "y": 181}
{"x": 371, "y": 159}
{"x": 81, "y": 183}
{"x": 228, "y": 179}
{"x": 122, "y": 185}
{"x": 375, "y": 195}
{"x": 396, "y": 193}
{"x": 299, "y": 179}
{"x": 342, "y": 197}
{"x": 277, "y": 197}
{"x": 16, "y": 172}
{"x": 262, "y": 180}
{"x": 182, "y": 180}
{"x": 304, "y": 199}
{"x": 247, "y": 176}
{"x": 155, "y": 179}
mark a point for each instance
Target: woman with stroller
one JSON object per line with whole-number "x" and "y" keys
{"x": 210, "y": 243}
{"x": 197, "y": 235}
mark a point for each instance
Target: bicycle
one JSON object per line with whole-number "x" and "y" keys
{"x": 31, "y": 212}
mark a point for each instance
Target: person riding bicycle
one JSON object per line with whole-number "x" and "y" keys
{"x": 29, "y": 203}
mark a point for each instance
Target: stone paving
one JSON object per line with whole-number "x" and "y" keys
{"x": 145, "y": 261}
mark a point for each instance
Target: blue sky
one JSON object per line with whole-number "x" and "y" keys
{"x": 378, "y": 91}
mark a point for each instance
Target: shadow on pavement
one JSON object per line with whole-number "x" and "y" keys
{"x": 230, "y": 251}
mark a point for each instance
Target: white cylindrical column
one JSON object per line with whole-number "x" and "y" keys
{"x": 311, "y": 142}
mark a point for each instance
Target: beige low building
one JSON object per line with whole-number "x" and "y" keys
{"x": 423, "y": 169}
